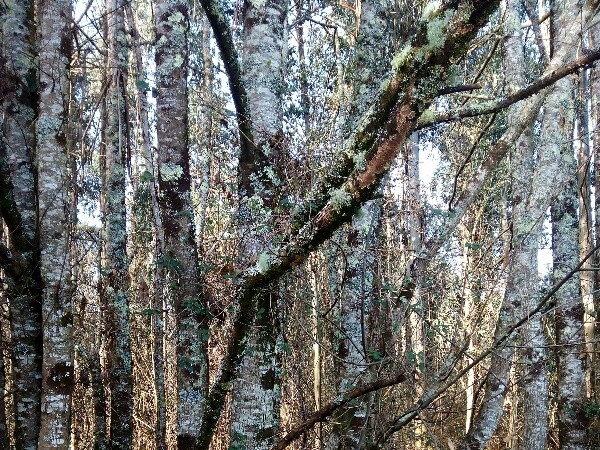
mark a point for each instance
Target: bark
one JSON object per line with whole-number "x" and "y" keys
{"x": 565, "y": 253}
{"x": 372, "y": 47}
{"x": 147, "y": 187}
{"x": 338, "y": 195}
{"x": 179, "y": 260}
{"x": 594, "y": 36}
{"x": 355, "y": 350}
{"x": 260, "y": 174}
{"x": 18, "y": 206}
{"x": 114, "y": 289}
{"x": 528, "y": 210}
{"x": 54, "y": 223}
{"x": 585, "y": 226}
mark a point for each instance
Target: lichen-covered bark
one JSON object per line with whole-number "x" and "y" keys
{"x": 18, "y": 206}
{"x": 51, "y": 127}
{"x": 257, "y": 392}
{"x": 361, "y": 238}
{"x": 354, "y": 349}
{"x": 179, "y": 261}
{"x": 528, "y": 209}
{"x": 565, "y": 238}
{"x": 382, "y": 129}
{"x": 114, "y": 287}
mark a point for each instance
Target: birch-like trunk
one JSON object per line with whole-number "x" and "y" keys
{"x": 179, "y": 261}
{"x": 570, "y": 350}
{"x": 54, "y": 221}
{"x": 527, "y": 219}
{"x": 114, "y": 291}
{"x": 355, "y": 352}
{"x": 19, "y": 213}
{"x": 257, "y": 392}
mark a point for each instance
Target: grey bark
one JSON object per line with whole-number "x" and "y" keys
{"x": 263, "y": 64}
{"x": 18, "y": 91}
{"x": 53, "y": 18}
{"x": 179, "y": 260}
{"x": 114, "y": 288}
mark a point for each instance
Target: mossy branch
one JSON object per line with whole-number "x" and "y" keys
{"x": 383, "y": 130}
{"x": 222, "y": 33}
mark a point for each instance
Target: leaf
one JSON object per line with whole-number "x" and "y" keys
{"x": 142, "y": 85}
{"x": 146, "y": 176}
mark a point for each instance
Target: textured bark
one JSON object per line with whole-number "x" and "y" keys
{"x": 257, "y": 393}
{"x": 594, "y": 36}
{"x": 361, "y": 238}
{"x": 383, "y": 128}
{"x": 18, "y": 206}
{"x": 585, "y": 224}
{"x": 150, "y": 188}
{"x": 565, "y": 238}
{"x": 179, "y": 261}
{"x": 528, "y": 210}
{"x": 114, "y": 288}
{"x": 355, "y": 350}
{"x": 54, "y": 222}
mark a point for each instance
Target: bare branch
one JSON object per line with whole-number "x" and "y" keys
{"x": 548, "y": 79}
{"x": 323, "y": 414}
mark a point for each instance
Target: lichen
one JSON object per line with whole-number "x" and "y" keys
{"x": 264, "y": 262}
{"x": 430, "y": 9}
{"x": 170, "y": 172}
{"x": 400, "y": 59}
{"x": 340, "y": 198}
{"x": 436, "y": 30}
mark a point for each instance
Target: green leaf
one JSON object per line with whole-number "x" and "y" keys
{"x": 142, "y": 85}
{"x": 146, "y": 176}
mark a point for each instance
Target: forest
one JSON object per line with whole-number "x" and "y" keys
{"x": 308, "y": 224}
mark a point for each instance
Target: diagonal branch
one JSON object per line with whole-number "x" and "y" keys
{"x": 323, "y": 414}
{"x": 548, "y": 79}
{"x": 220, "y": 26}
{"x": 419, "y": 71}
{"x": 439, "y": 388}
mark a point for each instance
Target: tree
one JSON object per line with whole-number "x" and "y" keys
{"x": 237, "y": 221}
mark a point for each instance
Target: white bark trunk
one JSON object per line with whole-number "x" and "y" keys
{"x": 54, "y": 221}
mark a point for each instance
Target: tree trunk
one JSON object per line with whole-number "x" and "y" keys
{"x": 54, "y": 222}
{"x": 181, "y": 276}
{"x": 114, "y": 260}
{"x": 570, "y": 351}
{"x": 256, "y": 395}
{"x": 19, "y": 212}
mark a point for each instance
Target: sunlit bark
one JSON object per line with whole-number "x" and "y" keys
{"x": 18, "y": 208}
{"x": 179, "y": 260}
{"x": 52, "y": 135}
{"x": 256, "y": 397}
{"x": 115, "y": 265}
